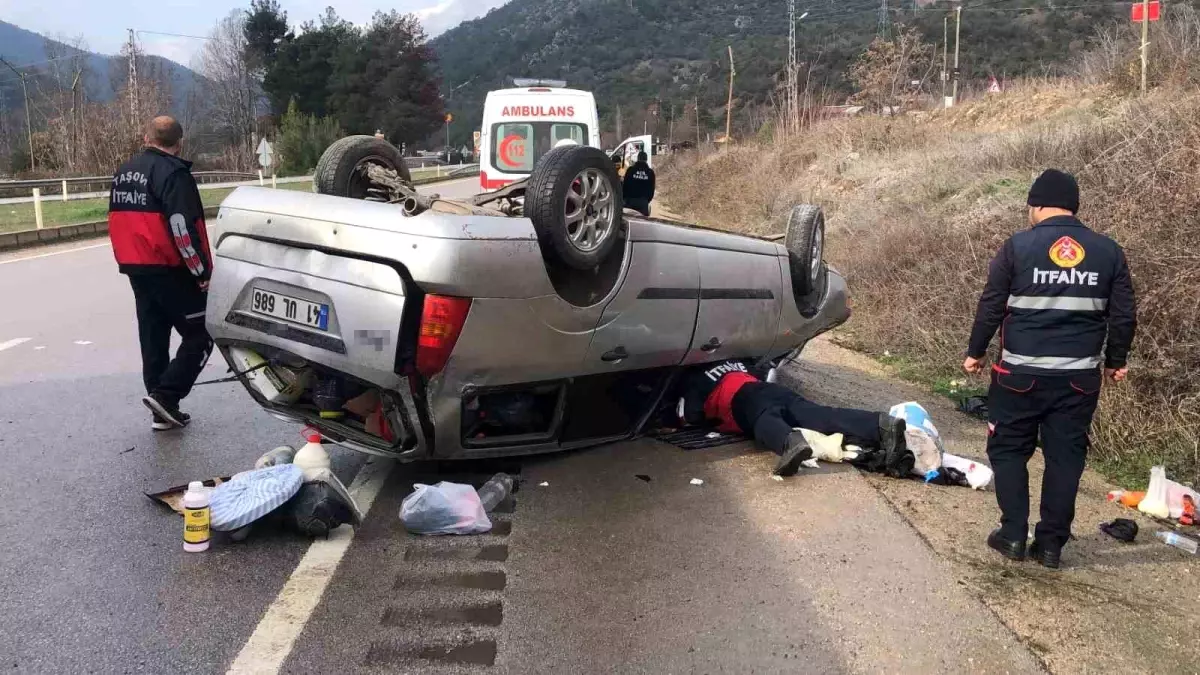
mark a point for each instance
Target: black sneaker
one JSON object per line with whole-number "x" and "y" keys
{"x": 159, "y": 424}
{"x": 165, "y": 413}
{"x": 796, "y": 454}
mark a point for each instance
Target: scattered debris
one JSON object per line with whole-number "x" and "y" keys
{"x": 777, "y": 477}
{"x": 543, "y": 484}
{"x": 83, "y": 342}
{"x": 1121, "y": 529}
{"x": 697, "y": 481}
{"x": 172, "y": 497}
{"x": 975, "y": 406}
{"x": 495, "y": 491}
{"x": 643, "y": 477}
{"x": 128, "y": 450}
{"x": 251, "y": 495}
{"x": 1179, "y": 541}
{"x": 1155, "y": 502}
{"x": 445, "y": 508}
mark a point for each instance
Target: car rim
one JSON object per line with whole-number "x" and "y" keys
{"x": 818, "y": 252}
{"x": 589, "y": 210}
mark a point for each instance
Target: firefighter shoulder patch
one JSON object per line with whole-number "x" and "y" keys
{"x": 1066, "y": 252}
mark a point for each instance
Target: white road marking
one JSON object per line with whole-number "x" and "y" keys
{"x": 13, "y": 343}
{"x": 83, "y": 342}
{"x": 52, "y": 253}
{"x": 272, "y": 640}
{"x": 39, "y": 348}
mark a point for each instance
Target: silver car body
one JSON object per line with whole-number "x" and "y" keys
{"x": 681, "y": 291}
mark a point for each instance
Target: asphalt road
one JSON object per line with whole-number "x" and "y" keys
{"x": 592, "y": 569}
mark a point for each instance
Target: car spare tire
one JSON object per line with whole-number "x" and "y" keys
{"x": 574, "y": 201}
{"x": 805, "y": 243}
{"x": 341, "y": 171}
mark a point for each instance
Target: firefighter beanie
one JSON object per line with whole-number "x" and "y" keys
{"x": 1055, "y": 189}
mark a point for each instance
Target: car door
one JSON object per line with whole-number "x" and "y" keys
{"x": 740, "y": 301}
{"x": 649, "y": 322}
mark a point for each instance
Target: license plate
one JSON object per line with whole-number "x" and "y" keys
{"x": 294, "y": 310}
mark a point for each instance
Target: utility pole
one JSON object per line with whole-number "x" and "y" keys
{"x": 957, "y": 33}
{"x": 619, "y": 136}
{"x": 791, "y": 63}
{"x": 696, "y": 108}
{"x": 883, "y": 19}
{"x": 1145, "y": 40}
{"x": 729, "y": 103}
{"x": 28, "y": 118}
{"x": 133, "y": 79}
{"x": 945, "y": 52}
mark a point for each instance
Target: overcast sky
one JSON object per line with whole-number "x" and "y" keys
{"x": 104, "y": 24}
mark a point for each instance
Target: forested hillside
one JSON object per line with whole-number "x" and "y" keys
{"x": 634, "y": 53}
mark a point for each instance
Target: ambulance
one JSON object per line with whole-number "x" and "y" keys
{"x": 521, "y": 125}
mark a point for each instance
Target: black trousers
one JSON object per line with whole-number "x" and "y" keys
{"x": 642, "y": 206}
{"x": 1060, "y": 408}
{"x": 165, "y": 301}
{"x": 771, "y": 411}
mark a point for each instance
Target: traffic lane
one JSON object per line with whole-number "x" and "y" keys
{"x": 613, "y": 561}
{"x": 95, "y": 575}
{"x": 76, "y": 313}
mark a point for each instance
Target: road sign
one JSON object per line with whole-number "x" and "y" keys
{"x": 477, "y": 135}
{"x": 449, "y": 118}
{"x": 265, "y": 153}
{"x": 994, "y": 86}
{"x": 1138, "y": 11}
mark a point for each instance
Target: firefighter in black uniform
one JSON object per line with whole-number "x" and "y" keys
{"x": 156, "y": 224}
{"x": 638, "y": 187}
{"x": 1056, "y": 292}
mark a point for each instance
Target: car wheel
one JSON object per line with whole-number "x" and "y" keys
{"x": 341, "y": 171}
{"x": 574, "y": 201}
{"x": 806, "y": 248}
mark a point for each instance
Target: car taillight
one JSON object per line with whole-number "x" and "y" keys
{"x": 442, "y": 320}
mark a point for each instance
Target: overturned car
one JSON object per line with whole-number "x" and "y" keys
{"x": 537, "y": 318}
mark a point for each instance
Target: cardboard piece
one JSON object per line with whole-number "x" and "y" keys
{"x": 172, "y": 497}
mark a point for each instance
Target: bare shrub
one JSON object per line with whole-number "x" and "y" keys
{"x": 918, "y": 207}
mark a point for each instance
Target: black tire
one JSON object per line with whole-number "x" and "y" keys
{"x": 575, "y": 229}
{"x": 806, "y": 248}
{"x": 340, "y": 170}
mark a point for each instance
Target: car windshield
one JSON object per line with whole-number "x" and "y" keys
{"x": 517, "y": 146}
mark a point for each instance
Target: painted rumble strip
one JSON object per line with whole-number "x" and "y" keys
{"x": 272, "y": 641}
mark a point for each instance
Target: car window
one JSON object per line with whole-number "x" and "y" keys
{"x": 517, "y": 146}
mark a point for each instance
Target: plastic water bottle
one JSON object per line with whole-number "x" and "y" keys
{"x": 196, "y": 518}
{"x": 495, "y": 491}
{"x": 1179, "y": 541}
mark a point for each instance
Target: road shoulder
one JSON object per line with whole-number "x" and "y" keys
{"x": 1113, "y": 607}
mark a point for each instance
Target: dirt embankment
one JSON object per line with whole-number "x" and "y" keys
{"x": 918, "y": 205}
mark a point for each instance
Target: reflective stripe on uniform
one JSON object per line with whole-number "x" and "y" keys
{"x": 1051, "y": 362}
{"x": 1059, "y": 302}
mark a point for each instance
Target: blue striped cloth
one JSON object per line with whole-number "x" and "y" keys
{"x": 252, "y": 495}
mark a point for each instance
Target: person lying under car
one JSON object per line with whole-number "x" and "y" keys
{"x": 727, "y": 395}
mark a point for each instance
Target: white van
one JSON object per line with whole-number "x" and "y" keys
{"x": 520, "y": 125}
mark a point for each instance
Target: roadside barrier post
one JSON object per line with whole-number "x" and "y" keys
{"x": 64, "y": 191}
{"x": 274, "y": 182}
{"x": 261, "y": 183}
{"x": 37, "y": 207}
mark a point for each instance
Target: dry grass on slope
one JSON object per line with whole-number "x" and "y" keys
{"x": 917, "y": 206}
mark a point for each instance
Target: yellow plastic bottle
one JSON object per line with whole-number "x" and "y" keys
{"x": 196, "y": 518}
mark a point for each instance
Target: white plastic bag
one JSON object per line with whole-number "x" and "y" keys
{"x": 445, "y": 508}
{"x": 978, "y": 474}
{"x": 922, "y": 438}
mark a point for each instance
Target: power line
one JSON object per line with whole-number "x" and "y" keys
{"x": 154, "y": 32}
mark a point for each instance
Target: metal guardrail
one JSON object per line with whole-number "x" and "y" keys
{"x": 21, "y": 188}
